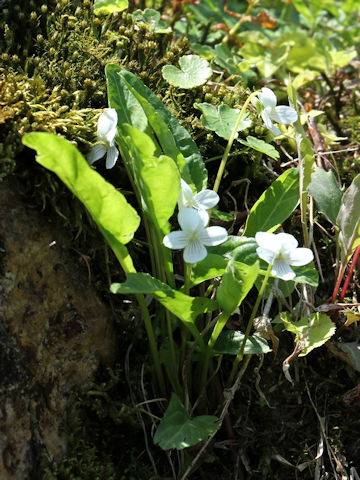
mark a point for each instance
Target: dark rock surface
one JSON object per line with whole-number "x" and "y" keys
{"x": 54, "y": 332}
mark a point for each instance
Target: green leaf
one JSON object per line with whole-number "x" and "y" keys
{"x": 194, "y": 71}
{"x": 221, "y": 119}
{"x": 261, "y": 146}
{"x": 116, "y": 218}
{"x": 186, "y": 308}
{"x": 151, "y": 18}
{"x": 306, "y": 274}
{"x": 105, "y": 7}
{"x": 342, "y": 57}
{"x": 178, "y": 430}
{"x": 275, "y": 205}
{"x": 236, "y": 283}
{"x": 212, "y": 266}
{"x": 157, "y": 179}
{"x": 352, "y": 349}
{"x": 230, "y": 341}
{"x": 175, "y": 140}
{"x": 231, "y": 245}
{"x": 348, "y": 220}
{"x": 322, "y": 328}
{"x": 127, "y": 106}
{"x": 313, "y": 335}
{"x": 327, "y": 194}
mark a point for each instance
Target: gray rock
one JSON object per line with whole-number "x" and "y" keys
{"x": 54, "y": 332}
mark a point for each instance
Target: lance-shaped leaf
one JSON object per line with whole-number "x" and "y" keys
{"x": 116, "y": 218}
{"x": 178, "y": 430}
{"x": 327, "y": 194}
{"x": 260, "y": 146}
{"x": 157, "y": 179}
{"x": 194, "y": 71}
{"x": 230, "y": 342}
{"x": 275, "y": 205}
{"x": 212, "y": 266}
{"x": 236, "y": 283}
{"x": 175, "y": 140}
{"x": 105, "y": 7}
{"x": 221, "y": 119}
{"x": 186, "y": 308}
{"x": 348, "y": 220}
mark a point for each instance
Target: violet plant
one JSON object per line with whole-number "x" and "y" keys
{"x": 170, "y": 182}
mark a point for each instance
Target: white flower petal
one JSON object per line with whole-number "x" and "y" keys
{"x": 111, "y": 157}
{"x": 204, "y": 217}
{"x": 194, "y": 252}
{"x": 265, "y": 254}
{"x": 275, "y": 130}
{"x": 267, "y": 97}
{"x": 96, "y": 153}
{"x": 106, "y": 128}
{"x": 268, "y": 241}
{"x": 300, "y": 256}
{"x": 212, "y": 236}
{"x": 206, "y": 199}
{"x": 286, "y": 241}
{"x": 176, "y": 240}
{"x": 282, "y": 269}
{"x": 189, "y": 219}
{"x": 265, "y": 115}
{"x": 284, "y": 115}
{"x": 186, "y": 195}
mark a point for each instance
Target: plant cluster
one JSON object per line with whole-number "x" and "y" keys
{"x": 199, "y": 276}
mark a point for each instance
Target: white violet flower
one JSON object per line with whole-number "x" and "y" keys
{"x": 106, "y": 132}
{"x": 204, "y": 200}
{"x": 280, "y": 250}
{"x": 194, "y": 235}
{"x": 281, "y": 114}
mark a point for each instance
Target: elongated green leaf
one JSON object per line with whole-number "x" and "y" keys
{"x": 233, "y": 242}
{"x": 194, "y": 71}
{"x": 174, "y": 139}
{"x": 230, "y": 341}
{"x": 178, "y": 430}
{"x": 348, "y": 220}
{"x": 105, "y": 7}
{"x": 186, "y": 308}
{"x": 115, "y": 217}
{"x": 275, "y": 205}
{"x": 221, "y": 119}
{"x": 261, "y": 146}
{"x": 128, "y": 108}
{"x": 212, "y": 266}
{"x": 236, "y": 283}
{"x": 327, "y": 194}
{"x": 158, "y": 179}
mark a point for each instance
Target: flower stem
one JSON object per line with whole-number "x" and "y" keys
{"x": 240, "y": 355}
{"x": 220, "y": 324}
{"x": 187, "y": 275}
{"x": 152, "y": 343}
{"x": 230, "y": 142}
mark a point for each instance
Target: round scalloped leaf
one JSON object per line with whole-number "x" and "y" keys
{"x": 106, "y": 7}
{"x": 194, "y": 71}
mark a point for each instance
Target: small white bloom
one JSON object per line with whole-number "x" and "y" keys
{"x": 280, "y": 250}
{"x": 194, "y": 235}
{"x": 106, "y": 132}
{"x": 203, "y": 200}
{"x": 281, "y": 114}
